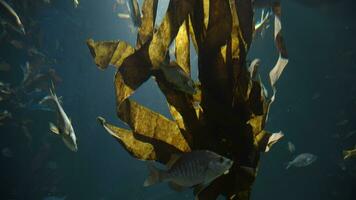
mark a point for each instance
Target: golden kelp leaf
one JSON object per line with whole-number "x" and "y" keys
{"x": 273, "y": 139}
{"x": 235, "y": 50}
{"x": 133, "y": 72}
{"x": 181, "y": 107}
{"x": 140, "y": 146}
{"x": 265, "y": 140}
{"x": 219, "y": 27}
{"x": 176, "y": 13}
{"x": 245, "y": 17}
{"x": 151, "y": 124}
{"x": 182, "y": 50}
{"x": 145, "y": 32}
{"x": 109, "y": 52}
{"x": 257, "y": 123}
{"x": 137, "y": 148}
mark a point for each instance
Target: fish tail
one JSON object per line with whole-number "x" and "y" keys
{"x": 346, "y": 154}
{"x": 154, "y": 175}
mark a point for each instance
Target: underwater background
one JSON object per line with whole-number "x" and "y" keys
{"x": 315, "y": 109}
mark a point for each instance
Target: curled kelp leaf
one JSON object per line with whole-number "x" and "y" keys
{"x": 266, "y": 140}
{"x": 176, "y": 13}
{"x": 253, "y": 68}
{"x": 136, "y": 148}
{"x": 148, "y": 123}
{"x": 182, "y": 47}
{"x": 139, "y": 146}
{"x": 109, "y": 52}
{"x": 282, "y": 61}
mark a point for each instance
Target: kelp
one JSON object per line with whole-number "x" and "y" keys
{"x": 225, "y": 111}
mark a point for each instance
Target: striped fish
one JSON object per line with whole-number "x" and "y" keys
{"x": 191, "y": 169}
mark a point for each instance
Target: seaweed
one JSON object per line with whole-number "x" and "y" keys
{"x": 229, "y": 107}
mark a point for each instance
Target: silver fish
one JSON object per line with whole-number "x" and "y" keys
{"x": 191, "y": 169}
{"x": 349, "y": 153}
{"x": 6, "y": 152}
{"x": 291, "y": 147}
{"x": 64, "y": 127}
{"x": 76, "y": 3}
{"x": 302, "y": 160}
{"x": 10, "y": 17}
{"x": 134, "y": 11}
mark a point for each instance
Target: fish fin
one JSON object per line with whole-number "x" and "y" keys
{"x": 346, "y": 154}
{"x": 153, "y": 177}
{"x": 45, "y": 99}
{"x": 288, "y": 165}
{"x": 198, "y": 188}
{"x": 53, "y": 128}
{"x": 175, "y": 186}
{"x": 172, "y": 160}
{"x": 60, "y": 100}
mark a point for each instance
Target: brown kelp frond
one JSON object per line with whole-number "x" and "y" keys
{"x": 225, "y": 111}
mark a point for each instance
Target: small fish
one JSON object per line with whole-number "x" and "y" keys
{"x": 190, "y": 169}
{"x": 134, "y": 11}
{"x": 302, "y": 160}
{"x": 262, "y": 25}
{"x": 178, "y": 78}
{"x": 4, "y": 66}
{"x": 10, "y": 17}
{"x": 349, "y": 153}
{"x": 54, "y": 198}
{"x": 342, "y": 122}
{"x": 349, "y": 134}
{"x": 76, "y": 3}
{"x": 64, "y": 127}
{"x": 52, "y": 165}
{"x": 17, "y": 44}
{"x": 5, "y": 115}
{"x": 291, "y": 147}
{"x": 6, "y": 152}
{"x": 123, "y": 16}
{"x": 315, "y": 96}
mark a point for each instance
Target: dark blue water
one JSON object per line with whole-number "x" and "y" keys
{"x": 316, "y": 92}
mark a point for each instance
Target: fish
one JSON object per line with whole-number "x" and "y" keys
{"x": 291, "y": 147}
{"x": 4, "y": 66}
{"x": 54, "y": 198}
{"x": 342, "y": 122}
{"x": 134, "y": 11}
{"x": 6, "y": 152}
{"x": 302, "y": 160}
{"x": 10, "y": 17}
{"x": 76, "y": 3}
{"x": 5, "y": 115}
{"x": 17, "y": 44}
{"x": 194, "y": 169}
{"x": 179, "y": 79}
{"x": 64, "y": 127}
{"x": 262, "y": 25}
{"x": 349, "y": 153}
